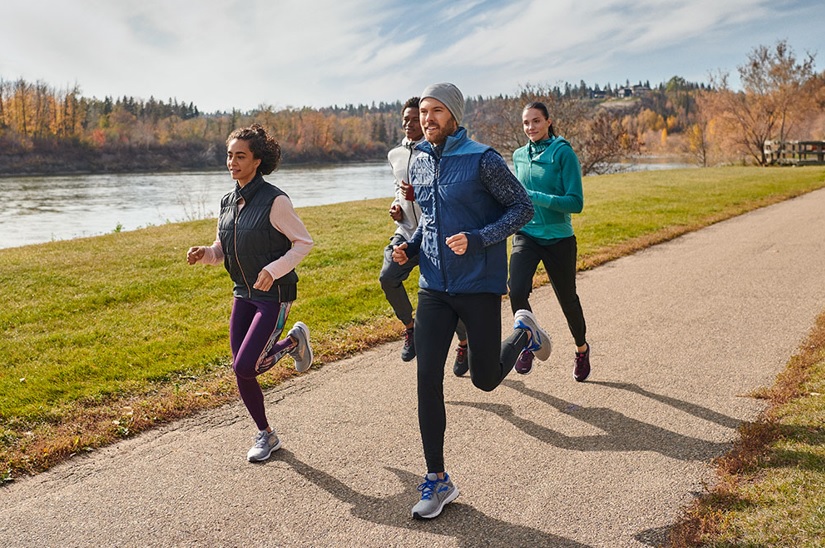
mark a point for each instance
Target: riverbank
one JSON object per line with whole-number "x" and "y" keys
{"x": 58, "y": 208}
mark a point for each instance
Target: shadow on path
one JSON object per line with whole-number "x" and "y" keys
{"x": 621, "y": 433}
{"x": 469, "y": 526}
{"x": 690, "y": 408}
{"x": 658, "y": 536}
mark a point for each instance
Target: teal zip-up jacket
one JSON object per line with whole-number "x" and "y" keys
{"x": 550, "y": 172}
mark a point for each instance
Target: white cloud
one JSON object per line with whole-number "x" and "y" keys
{"x": 240, "y": 54}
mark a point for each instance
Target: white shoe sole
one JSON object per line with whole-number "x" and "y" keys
{"x": 272, "y": 450}
{"x": 445, "y": 502}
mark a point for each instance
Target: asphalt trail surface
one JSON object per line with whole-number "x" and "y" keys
{"x": 681, "y": 333}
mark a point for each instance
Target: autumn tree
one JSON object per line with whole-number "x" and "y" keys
{"x": 598, "y": 136}
{"x": 604, "y": 142}
{"x": 812, "y": 126}
{"x": 497, "y": 120}
{"x": 772, "y": 100}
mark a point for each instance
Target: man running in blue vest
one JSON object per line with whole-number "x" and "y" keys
{"x": 470, "y": 203}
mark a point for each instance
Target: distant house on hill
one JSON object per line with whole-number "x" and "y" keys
{"x": 632, "y": 91}
{"x": 640, "y": 90}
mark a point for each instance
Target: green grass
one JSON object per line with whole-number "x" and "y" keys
{"x": 106, "y": 336}
{"x": 632, "y": 208}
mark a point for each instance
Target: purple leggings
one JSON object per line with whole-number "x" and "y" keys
{"x": 254, "y": 330}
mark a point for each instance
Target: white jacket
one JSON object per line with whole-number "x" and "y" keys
{"x": 400, "y": 159}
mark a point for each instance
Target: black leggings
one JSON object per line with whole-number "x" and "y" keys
{"x": 490, "y": 360}
{"x": 559, "y": 261}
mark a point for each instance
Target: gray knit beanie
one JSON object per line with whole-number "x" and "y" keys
{"x": 449, "y": 95}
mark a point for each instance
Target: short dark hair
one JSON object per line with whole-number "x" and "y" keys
{"x": 538, "y": 105}
{"x": 263, "y": 146}
{"x": 412, "y": 102}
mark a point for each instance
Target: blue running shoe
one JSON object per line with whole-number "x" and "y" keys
{"x": 540, "y": 343}
{"x": 435, "y": 494}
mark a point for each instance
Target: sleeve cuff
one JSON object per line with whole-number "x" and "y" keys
{"x": 474, "y": 242}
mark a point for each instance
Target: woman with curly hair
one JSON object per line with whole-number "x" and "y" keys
{"x": 260, "y": 241}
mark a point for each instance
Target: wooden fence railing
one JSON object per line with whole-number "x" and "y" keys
{"x": 795, "y": 152}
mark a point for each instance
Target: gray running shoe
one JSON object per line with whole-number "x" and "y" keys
{"x": 265, "y": 444}
{"x": 540, "y": 343}
{"x": 435, "y": 494}
{"x": 303, "y": 352}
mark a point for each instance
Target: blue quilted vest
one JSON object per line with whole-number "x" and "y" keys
{"x": 453, "y": 200}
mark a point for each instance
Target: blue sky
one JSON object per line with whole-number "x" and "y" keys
{"x": 290, "y": 53}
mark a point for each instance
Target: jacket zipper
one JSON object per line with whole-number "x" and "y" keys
{"x": 409, "y": 182}
{"x": 237, "y": 259}
{"x": 439, "y": 245}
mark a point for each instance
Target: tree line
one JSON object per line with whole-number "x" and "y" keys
{"x": 47, "y": 130}
{"x": 782, "y": 97}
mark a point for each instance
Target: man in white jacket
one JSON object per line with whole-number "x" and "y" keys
{"x": 405, "y": 212}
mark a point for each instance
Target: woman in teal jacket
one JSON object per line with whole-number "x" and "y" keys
{"x": 550, "y": 171}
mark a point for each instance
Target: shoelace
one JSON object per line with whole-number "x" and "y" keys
{"x": 408, "y": 335}
{"x": 427, "y": 489}
{"x": 535, "y": 337}
{"x": 262, "y": 440}
{"x": 462, "y": 353}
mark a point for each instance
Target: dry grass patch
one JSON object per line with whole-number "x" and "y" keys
{"x": 771, "y": 486}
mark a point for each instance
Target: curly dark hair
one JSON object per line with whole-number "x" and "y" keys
{"x": 412, "y": 102}
{"x": 263, "y": 146}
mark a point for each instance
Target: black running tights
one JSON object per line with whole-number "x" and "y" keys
{"x": 489, "y": 359}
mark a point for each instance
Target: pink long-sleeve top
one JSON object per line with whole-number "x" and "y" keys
{"x": 286, "y": 221}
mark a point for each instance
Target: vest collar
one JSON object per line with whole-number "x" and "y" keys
{"x": 248, "y": 191}
{"x": 453, "y": 141}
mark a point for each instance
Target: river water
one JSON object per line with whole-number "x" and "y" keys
{"x": 43, "y": 209}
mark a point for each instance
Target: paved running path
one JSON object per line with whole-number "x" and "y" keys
{"x": 681, "y": 333}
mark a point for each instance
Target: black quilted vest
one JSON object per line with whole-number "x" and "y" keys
{"x": 250, "y": 242}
